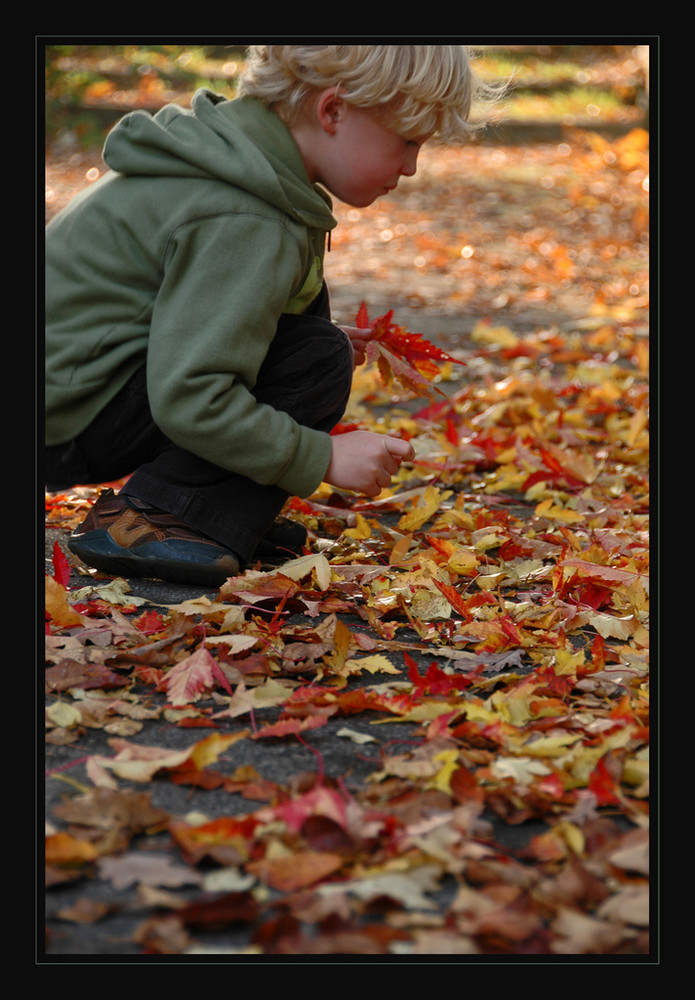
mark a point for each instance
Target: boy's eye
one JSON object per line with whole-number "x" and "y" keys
{"x": 418, "y": 142}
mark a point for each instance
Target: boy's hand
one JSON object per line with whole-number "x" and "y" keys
{"x": 359, "y": 338}
{"x": 365, "y": 462}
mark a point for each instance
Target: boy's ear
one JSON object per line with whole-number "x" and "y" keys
{"x": 329, "y": 109}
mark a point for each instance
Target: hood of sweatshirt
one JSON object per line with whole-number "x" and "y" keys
{"x": 240, "y": 142}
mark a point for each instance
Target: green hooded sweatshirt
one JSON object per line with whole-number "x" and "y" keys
{"x": 205, "y": 230}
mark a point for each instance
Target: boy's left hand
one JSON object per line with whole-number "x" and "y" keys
{"x": 359, "y": 338}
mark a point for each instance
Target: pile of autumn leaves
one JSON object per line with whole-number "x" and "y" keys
{"x": 512, "y": 554}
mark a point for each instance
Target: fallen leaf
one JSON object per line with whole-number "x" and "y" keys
{"x": 296, "y": 871}
{"x": 190, "y": 678}
{"x": 145, "y": 868}
{"x": 407, "y": 888}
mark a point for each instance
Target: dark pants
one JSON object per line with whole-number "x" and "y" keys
{"x": 307, "y": 373}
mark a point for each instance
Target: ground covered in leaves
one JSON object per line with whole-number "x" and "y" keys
{"x": 429, "y": 736}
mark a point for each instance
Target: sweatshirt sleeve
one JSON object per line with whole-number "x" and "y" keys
{"x": 226, "y": 282}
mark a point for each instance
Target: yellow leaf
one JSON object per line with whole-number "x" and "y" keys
{"x": 476, "y": 711}
{"x": 208, "y": 750}
{"x": 610, "y": 626}
{"x": 546, "y": 508}
{"x": 377, "y": 663}
{"x": 571, "y": 834}
{"x": 427, "y": 505}
{"x": 459, "y": 516}
{"x": 568, "y": 662}
{"x": 342, "y": 637}
{"x": 636, "y": 769}
{"x": 442, "y": 780}
{"x": 583, "y": 759}
{"x": 63, "y": 715}
{"x": 488, "y": 538}
{"x": 516, "y": 709}
{"x": 489, "y": 581}
{"x": 506, "y": 477}
{"x": 429, "y": 604}
{"x": 407, "y": 887}
{"x": 422, "y": 713}
{"x": 550, "y": 745}
{"x": 199, "y": 605}
{"x": 57, "y": 607}
{"x": 400, "y": 549}
{"x": 637, "y": 425}
{"x": 115, "y": 592}
{"x": 500, "y": 336}
{"x": 361, "y": 530}
{"x": 607, "y": 626}
{"x": 317, "y": 563}
{"x": 525, "y": 569}
{"x": 463, "y": 561}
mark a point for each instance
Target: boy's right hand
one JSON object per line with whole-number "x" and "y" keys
{"x": 365, "y": 462}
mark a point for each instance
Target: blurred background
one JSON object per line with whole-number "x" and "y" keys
{"x": 89, "y": 86}
{"x": 543, "y": 218}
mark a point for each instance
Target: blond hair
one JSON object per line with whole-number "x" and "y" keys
{"x": 428, "y": 89}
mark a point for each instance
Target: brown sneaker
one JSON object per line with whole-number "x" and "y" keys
{"x": 122, "y": 536}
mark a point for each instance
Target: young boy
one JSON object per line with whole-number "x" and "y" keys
{"x": 189, "y": 339}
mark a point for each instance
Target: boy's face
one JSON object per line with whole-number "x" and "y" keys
{"x": 355, "y": 153}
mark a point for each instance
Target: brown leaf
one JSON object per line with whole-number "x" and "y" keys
{"x": 297, "y": 870}
{"x": 69, "y": 674}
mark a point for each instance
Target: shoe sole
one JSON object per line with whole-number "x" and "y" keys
{"x": 184, "y": 562}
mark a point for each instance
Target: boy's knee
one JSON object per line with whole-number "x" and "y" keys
{"x": 333, "y": 344}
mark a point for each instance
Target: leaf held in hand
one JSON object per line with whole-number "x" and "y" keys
{"x": 400, "y": 355}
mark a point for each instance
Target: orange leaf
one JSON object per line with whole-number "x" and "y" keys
{"x": 289, "y": 727}
{"x": 57, "y": 608}
{"x": 63, "y": 849}
{"x": 454, "y": 598}
{"x": 297, "y": 870}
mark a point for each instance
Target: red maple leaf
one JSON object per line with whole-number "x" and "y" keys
{"x": 401, "y": 355}
{"x": 435, "y": 681}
